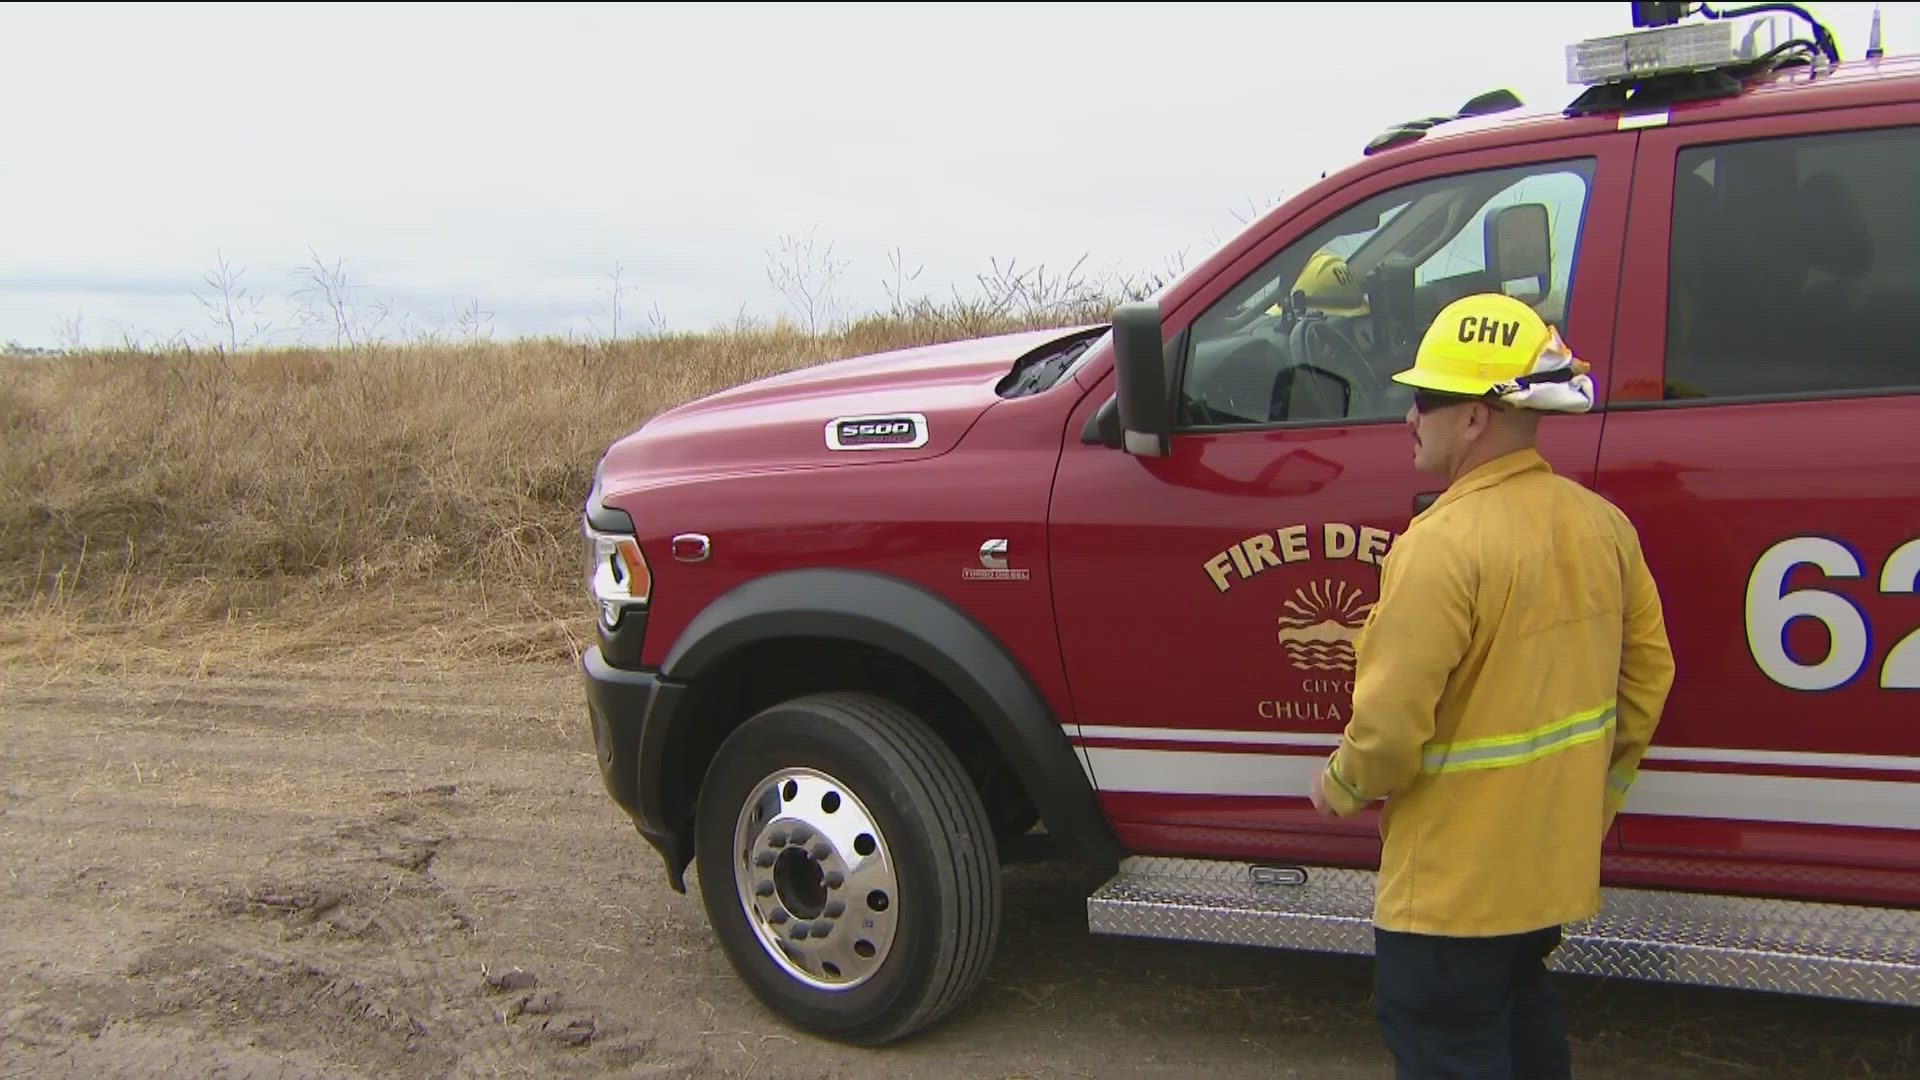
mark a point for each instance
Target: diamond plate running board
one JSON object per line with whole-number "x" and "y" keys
{"x": 1795, "y": 947}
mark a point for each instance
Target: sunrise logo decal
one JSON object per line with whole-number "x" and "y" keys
{"x": 1323, "y": 621}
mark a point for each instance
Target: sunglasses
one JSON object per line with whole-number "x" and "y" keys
{"x": 1426, "y": 401}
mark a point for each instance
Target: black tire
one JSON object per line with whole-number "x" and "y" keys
{"x": 884, "y": 766}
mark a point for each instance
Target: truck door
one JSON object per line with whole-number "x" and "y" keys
{"x": 1208, "y": 600}
{"x": 1764, "y": 435}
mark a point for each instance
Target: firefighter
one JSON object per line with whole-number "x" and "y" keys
{"x": 1508, "y": 680}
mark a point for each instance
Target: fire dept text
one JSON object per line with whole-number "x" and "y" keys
{"x": 1295, "y": 543}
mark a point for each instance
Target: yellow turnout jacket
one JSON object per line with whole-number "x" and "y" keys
{"x": 1508, "y": 681}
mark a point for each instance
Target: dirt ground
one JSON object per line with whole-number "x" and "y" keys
{"x": 409, "y": 874}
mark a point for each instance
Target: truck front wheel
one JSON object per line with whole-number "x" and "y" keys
{"x": 848, "y": 867}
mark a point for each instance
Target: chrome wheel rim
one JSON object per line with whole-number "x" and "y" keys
{"x": 816, "y": 879}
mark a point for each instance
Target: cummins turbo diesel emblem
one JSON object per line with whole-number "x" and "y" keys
{"x": 993, "y": 565}
{"x": 993, "y": 554}
{"x": 888, "y": 431}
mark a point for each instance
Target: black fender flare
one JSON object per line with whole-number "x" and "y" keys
{"x": 876, "y": 609}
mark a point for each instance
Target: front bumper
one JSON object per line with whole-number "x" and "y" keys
{"x": 628, "y": 711}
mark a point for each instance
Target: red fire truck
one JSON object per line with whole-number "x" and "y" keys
{"x": 871, "y": 629}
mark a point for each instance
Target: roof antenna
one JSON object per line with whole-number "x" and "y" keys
{"x": 1874, "y": 51}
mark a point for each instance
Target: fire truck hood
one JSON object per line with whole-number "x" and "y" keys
{"x": 887, "y": 407}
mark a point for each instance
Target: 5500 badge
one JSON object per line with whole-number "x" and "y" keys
{"x": 882, "y": 431}
{"x": 1770, "y": 608}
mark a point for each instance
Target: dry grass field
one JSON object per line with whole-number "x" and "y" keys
{"x": 174, "y": 508}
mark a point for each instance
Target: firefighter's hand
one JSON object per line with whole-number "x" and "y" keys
{"x": 1320, "y": 802}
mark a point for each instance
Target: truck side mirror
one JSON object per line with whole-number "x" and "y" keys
{"x": 1103, "y": 427}
{"x": 1140, "y": 368}
{"x": 1520, "y": 250}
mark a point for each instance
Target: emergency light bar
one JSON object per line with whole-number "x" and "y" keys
{"x": 1668, "y": 50}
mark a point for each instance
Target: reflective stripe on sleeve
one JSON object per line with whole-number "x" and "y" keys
{"x": 1621, "y": 779}
{"x": 1500, "y": 751}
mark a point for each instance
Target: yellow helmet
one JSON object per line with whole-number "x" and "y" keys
{"x": 1329, "y": 285}
{"x": 1490, "y": 345}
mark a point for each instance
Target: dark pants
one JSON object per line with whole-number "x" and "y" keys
{"x": 1470, "y": 1008}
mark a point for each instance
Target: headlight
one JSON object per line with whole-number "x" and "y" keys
{"x": 617, "y": 573}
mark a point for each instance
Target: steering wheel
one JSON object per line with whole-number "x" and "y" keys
{"x": 1309, "y": 327}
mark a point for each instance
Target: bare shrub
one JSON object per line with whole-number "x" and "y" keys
{"x": 808, "y": 276}
{"x": 232, "y": 307}
{"x": 329, "y": 301}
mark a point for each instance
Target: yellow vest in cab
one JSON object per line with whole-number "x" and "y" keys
{"x": 1508, "y": 681}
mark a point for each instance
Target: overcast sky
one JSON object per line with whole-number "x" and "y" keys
{"x": 512, "y": 155}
